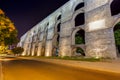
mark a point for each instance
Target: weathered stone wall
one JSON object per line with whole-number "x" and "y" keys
{"x": 99, "y": 34}
{"x": 45, "y": 39}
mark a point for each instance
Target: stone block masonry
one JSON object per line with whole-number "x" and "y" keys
{"x": 55, "y": 35}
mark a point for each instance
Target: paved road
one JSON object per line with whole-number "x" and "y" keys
{"x": 21, "y": 69}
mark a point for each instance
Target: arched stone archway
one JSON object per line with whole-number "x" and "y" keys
{"x": 74, "y": 33}
{"x": 80, "y": 37}
{"x": 36, "y": 45}
{"x": 116, "y": 30}
{"x": 58, "y": 27}
{"x": 79, "y": 6}
{"x": 98, "y": 28}
{"x": 59, "y": 17}
{"x": 36, "y": 49}
{"x": 56, "y": 39}
{"x": 78, "y": 42}
{"x": 56, "y": 45}
{"x": 38, "y": 42}
{"x": 44, "y": 41}
{"x": 80, "y": 19}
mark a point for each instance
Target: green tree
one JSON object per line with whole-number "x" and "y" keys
{"x": 17, "y": 50}
{"x": 8, "y": 32}
{"x": 79, "y": 39}
{"x": 117, "y": 37}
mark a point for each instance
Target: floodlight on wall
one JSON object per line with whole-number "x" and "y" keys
{"x": 47, "y": 54}
{"x": 23, "y": 54}
{"x": 97, "y": 25}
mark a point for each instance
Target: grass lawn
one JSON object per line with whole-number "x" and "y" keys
{"x": 71, "y": 58}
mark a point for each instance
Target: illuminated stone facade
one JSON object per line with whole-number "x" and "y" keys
{"x": 56, "y": 33}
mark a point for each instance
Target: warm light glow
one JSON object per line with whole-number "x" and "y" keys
{"x": 32, "y": 54}
{"x": 6, "y": 59}
{"x": 23, "y": 54}
{"x": 97, "y": 25}
{"x": 1, "y": 12}
{"x": 38, "y": 54}
{"x": 47, "y": 54}
{"x": 98, "y": 54}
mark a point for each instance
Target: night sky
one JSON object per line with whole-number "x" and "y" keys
{"x": 27, "y": 13}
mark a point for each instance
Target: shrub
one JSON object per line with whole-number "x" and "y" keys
{"x": 17, "y": 50}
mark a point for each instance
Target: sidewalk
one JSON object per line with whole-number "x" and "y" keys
{"x": 109, "y": 66}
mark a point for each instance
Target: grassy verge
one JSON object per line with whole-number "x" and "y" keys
{"x": 71, "y": 58}
{"x": 79, "y": 59}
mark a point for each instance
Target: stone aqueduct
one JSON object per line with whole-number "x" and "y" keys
{"x": 59, "y": 28}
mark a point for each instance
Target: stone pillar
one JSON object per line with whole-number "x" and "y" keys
{"x": 25, "y": 49}
{"x": 65, "y": 47}
{"x": 49, "y": 41}
{"x": 65, "y": 39}
{"x": 33, "y": 49}
{"x": 99, "y": 34}
{"x": 29, "y": 49}
{"x": 39, "y": 49}
{"x": 48, "y": 48}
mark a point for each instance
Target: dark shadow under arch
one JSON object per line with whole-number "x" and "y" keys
{"x": 115, "y": 7}
{"x": 80, "y": 51}
{"x": 80, "y": 5}
{"x": 58, "y": 27}
{"x": 55, "y": 49}
{"x": 117, "y": 38}
{"x": 80, "y": 19}
{"x": 59, "y": 17}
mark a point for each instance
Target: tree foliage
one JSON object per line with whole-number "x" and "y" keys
{"x": 117, "y": 36}
{"x": 79, "y": 39}
{"x": 17, "y": 50}
{"x": 8, "y": 33}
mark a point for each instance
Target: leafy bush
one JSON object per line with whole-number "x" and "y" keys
{"x": 17, "y": 50}
{"x": 79, "y": 40}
